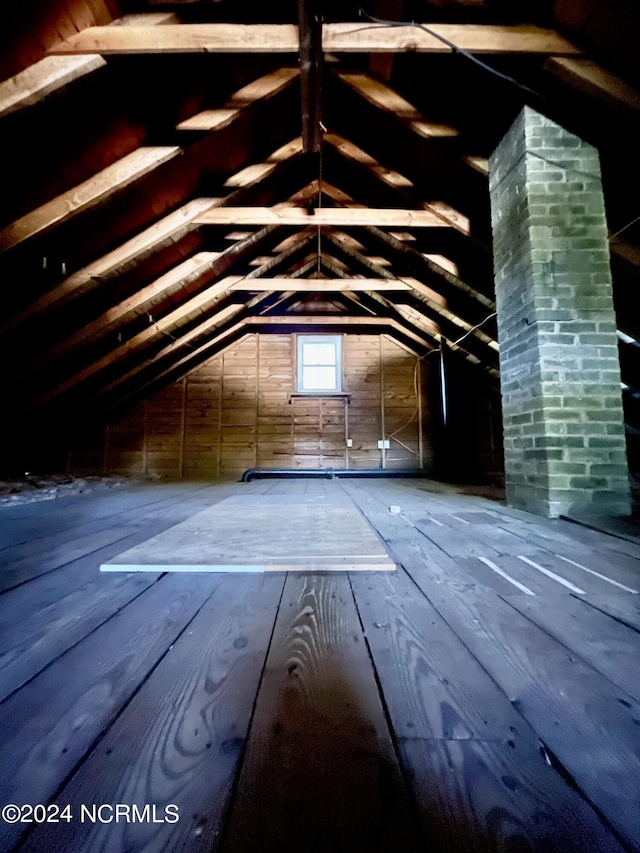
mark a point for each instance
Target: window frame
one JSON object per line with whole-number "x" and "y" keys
{"x": 336, "y": 340}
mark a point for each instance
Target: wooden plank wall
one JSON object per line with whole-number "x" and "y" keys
{"x": 237, "y": 411}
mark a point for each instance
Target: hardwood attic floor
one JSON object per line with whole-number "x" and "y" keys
{"x": 483, "y": 697}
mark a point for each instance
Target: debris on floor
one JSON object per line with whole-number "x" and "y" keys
{"x": 47, "y": 487}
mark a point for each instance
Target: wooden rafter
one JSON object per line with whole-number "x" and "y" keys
{"x": 166, "y": 230}
{"x": 135, "y": 165}
{"x": 386, "y": 99}
{"x": 426, "y": 270}
{"x": 404, "y": 189}
{"x": 425, "y": 306}
{"x": 54, "y": 72}
{"x": 262, "y": 89}
{"x": 192, "y": 276}
{"x": 207, "y": 301}
{"x": 222, "y": 324}
{"x": 591, "y": 79}
{"x": 248, "y": 184}
{"x": 86, "y": 195}
{"x": 336, "y": 38}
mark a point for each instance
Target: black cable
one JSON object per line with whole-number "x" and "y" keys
{"x": 456, "y": 49}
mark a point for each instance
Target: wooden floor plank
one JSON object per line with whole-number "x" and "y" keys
{"x": 625, "y": 609}
{"x": 33, "y": 528}
{"x": 24, "y": 602}
{"x": 34, "y": 643}
{"x": 482, "y": 797}
{"x": 24, "y": 570}
{"x": 608, "y": 646}
{"x": 50, "y": 723}
{"x": 320, "y": 722}
{"x": 433, "y": 687}
{"x": 448, "y": 713}
{"x": 581, "y": 717}
{"x": 150, "y": 520}
{"x": 181, "y": 738}
{"x": 502, "y": 579}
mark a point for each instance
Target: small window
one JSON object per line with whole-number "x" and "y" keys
{"x": 319, "y": 363}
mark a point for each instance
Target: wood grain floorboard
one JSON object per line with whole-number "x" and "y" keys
{"x": 49, "y": 724}
{"x": 482, "y": 797}
{"x": 180, "y": 739}
{"x": 626, "y": 609}
{"x": 583, "y": 719}
{"x": 320, "y": 772}
{"x": 35, "y": 643}
{"x": 474, "y": 763}
{"x": 607, "y": 645}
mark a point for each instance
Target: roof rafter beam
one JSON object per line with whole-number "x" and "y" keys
{"x": 224, "y": 322}
{"x": 100, "y": 187}
{"x": 169, "y": 229}
{"x": 205, "y": 268}
{"x": 424, "y": 303}
{"x": 52, "y": 73}
{"x": 336, "y": 38}
{"x": 95, "y": 190}
{"x": 393, "y": 182}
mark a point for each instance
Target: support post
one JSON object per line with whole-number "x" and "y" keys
{"x": 310, "y": 30}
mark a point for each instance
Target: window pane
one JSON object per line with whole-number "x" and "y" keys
{"x": 318, "y": 378}
{"x": 319, "y": 353}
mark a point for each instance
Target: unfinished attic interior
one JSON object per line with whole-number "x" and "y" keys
{"x": 327, "y": 311}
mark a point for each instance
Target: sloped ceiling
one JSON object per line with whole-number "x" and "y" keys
{"x": 161, "y": 182}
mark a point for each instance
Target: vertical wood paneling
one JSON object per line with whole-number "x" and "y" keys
{"x": 126, "y": 446}
{"x": 400, "y": 405}
{"x": 240, "y": 409}
{"x": 361, "y": 366}
{"x": 275, "y": 382}
{"x": 239, "y": 402}
{"x": 164, "y": 431}
{"x": 202, "y": 420}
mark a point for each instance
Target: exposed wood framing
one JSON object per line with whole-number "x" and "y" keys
{"x": 44, "y": 77}
{"x": 391, "y": 102}
{"x": 218, "y": 328}
{"x": 300, "y": 216}
{"x": 338, "y": 285}
{"x": 169, "y": 229}
{"x": 443, "y": 280}
{"x": 425, "y": 303}
{"x": 592, "y": 80}
{"x": 166, "y": 230}
{"x": 262, "y": 89}
{"x": 336, "y": 38}
{"x": 394, "y": 181}
{"x": 91, "y": 192}
{"x": 310, "y": 34}
{"x": 206, "y": 301}
{"x": 201, "y": 269}
{"x": 54, "y": 72}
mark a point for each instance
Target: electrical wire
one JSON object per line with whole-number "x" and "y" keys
{"x": 456, "y": 49}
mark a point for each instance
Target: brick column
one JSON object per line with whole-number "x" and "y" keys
{"x": 562, "y": 405}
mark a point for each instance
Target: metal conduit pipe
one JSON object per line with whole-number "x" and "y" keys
{"x": 329, "y": 473}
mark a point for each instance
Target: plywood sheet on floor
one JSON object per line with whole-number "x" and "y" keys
{"x": 263, "y": 533}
